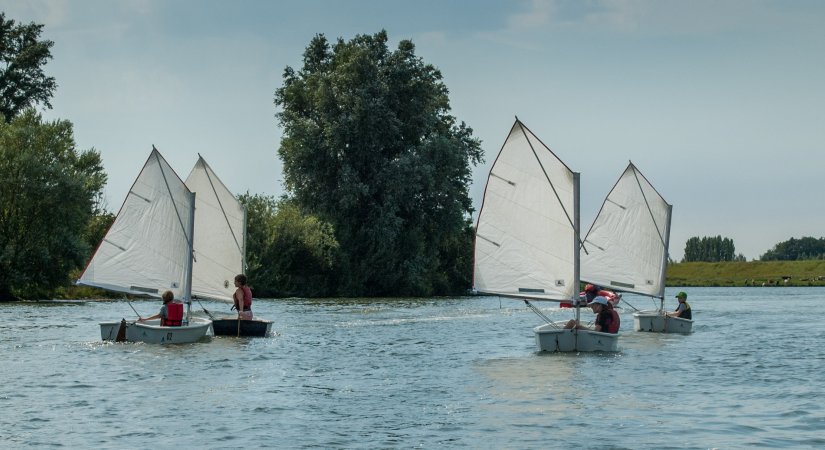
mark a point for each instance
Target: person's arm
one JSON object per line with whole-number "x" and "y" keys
{"x": 238, "y": 298}
{"x": 678, "y": 311}
{"x": 160, "y": 315}
{"x": 597, "y": 326}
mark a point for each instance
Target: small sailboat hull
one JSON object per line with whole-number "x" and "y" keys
{"x": 248, "y": 328}
{"x": 151, "y": 332}
{"x": 657, "y": 322}
{"x": 553, "y": 337}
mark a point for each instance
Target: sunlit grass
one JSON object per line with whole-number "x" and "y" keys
{"x": 751, "y": 273}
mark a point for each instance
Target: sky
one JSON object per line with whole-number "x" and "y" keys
{"x": 720, "y": 104}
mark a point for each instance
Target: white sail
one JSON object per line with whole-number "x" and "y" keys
{"x": 219, "y": 235}
{"x": 146, "y": 250}
{"x": 526, "y": 238}
{"x": 626, "y": 247}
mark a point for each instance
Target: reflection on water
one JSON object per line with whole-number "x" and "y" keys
{"x": 390, "y": 373}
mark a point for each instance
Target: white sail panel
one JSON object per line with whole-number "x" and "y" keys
{"x": 626, "y": 247}
{"x": 220, "y": 235}
{"x": 145, "y": 251}
{"x": 525, "y": 236}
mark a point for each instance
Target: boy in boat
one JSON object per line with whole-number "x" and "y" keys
{"x": 607, "y": 319}
{"x": 171, "y": 313}
{"x": 683, "y": 310}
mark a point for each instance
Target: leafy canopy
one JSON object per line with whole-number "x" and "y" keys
{"x": 22, "y": 57}
{"x": 806, "y": 247}
{"x": 710, "y": 249}
{"x": 370, "y": 147}
{"x": 48, "y": 195}
{"x": 288, "y": 253}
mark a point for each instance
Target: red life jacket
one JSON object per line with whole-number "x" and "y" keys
{"x": 174, "y": 315}
{"x": 247, "y": 299}
{"x": 615, "y": 323}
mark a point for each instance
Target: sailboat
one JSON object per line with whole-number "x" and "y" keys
{"x": 148, "y": 250}
{"x": 626, "y": 248}
{"x": 219, "y": 248}
{"x": 527, "y": 238}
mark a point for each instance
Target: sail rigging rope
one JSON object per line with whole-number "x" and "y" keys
{"x": 223, "y": 211}
{"x": 171, "y": 196}
{"x": 647, "y": 204}
{"x": 539, "y": 313}
{"x": 544, "y": 171}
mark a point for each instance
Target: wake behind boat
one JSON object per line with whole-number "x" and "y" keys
{"x": 148, "y": 250}
{"x": 527, "y": 238}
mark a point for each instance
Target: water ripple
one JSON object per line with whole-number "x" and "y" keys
{"x": 424, "y": 373}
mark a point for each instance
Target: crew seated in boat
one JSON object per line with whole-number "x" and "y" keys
{"x": 683, "y": 310}
{"x": 171, "y": 313}
{"x": 592, "y": 291}
{"x": 607, "y": 319}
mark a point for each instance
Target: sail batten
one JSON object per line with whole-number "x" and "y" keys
{"x": 525, "y": 232}
{"x": 220, "y": 235}
{"x": 628, "y": 239}
{"x": 145, "y": 250}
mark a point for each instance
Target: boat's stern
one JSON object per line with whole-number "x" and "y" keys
{"x": 658, "y": 322}
{"x": 553, "y": 337}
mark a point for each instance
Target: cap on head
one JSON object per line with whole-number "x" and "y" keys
{"x": 681, "y": 295}
{"x": 599, "y": 300}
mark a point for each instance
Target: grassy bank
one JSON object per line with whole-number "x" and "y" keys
{"x": 752, "y": 273}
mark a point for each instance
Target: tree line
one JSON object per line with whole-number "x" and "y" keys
{"x": 796, "y": 249}
{"x": 711, "y": 249}
{"x": 377, "y": 174}
{"x": 716, "y": 249}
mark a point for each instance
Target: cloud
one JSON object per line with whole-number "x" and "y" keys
{"x": 696, "y": 17}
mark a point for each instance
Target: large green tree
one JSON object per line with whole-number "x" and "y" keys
{"x": 710, "y": 249}
{"x": 806, "y": 247}
{"x": 369, "y": 145}
{"x": 48, "y": 194}
{"x": 288, "y": 253}
{"x": 22, "y": 57}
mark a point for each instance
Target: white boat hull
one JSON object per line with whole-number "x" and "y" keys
{"x": 553, "y": 337}
{"x": 657, "y": 322}
{"x": 152, "y": 332}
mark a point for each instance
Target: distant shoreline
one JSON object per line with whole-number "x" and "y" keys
{"x": 693, "y": 274}
{"x": 747, "y": 273}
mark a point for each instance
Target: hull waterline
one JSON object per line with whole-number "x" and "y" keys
{"x": 657, "y": 322}
{"x": 553, "y": 337}
{"x": 248, "y": 328}
{"x": 152, "y": 332}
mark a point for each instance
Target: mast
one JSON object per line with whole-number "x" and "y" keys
{"x": 243, "y": 246}
{"x": 665, "y": 257}
{"x": 187, "y": 289}
{"x": 576, "y": 244}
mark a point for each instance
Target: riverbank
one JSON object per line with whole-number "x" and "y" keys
{"x": 699, "y": 274}
{"x": 749, "y": 273}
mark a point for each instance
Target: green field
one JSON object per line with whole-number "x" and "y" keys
{"x": 752, "y": 273}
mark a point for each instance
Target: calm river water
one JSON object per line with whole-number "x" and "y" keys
{"x": 420, "y": 373}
